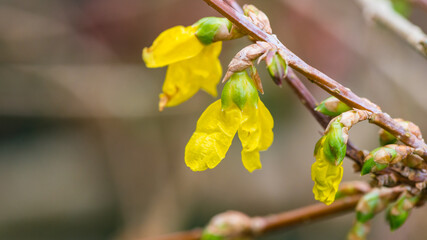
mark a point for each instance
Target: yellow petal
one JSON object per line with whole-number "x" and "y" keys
{"x": 185, "y": 78}
{"x": 210, "y": 63}
{"x": 173, "y": 45}
{"x": 266, "y": 124}
{"x": 326, "y": 177}
{"x": 251, "y": 160}
{"x": 255, "y": 134}
{"x": 213, "y": 136}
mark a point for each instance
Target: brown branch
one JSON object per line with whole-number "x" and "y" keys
{"x": 381, "y": 11}
{"x": 266, "y": 224}
{"x": 305, "y": 214}
{"x": 308, "y": 100}
{"x": 328, "y": 84}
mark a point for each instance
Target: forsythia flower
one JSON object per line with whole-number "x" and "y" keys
{"x": 192, "y": 59}
{"x": 239, "y": 110}
{"x": 326, "y": 175}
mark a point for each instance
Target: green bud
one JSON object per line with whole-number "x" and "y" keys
{"x": 209, "y": 28}
{"x": 398, "y": 212}
{"x": 359, "y": 231}
{"x": 208, "y": 236}
{"x": 319, "y": 145}
{"x": 378, "y": 160}
{"x": 332, "y": 107}
{"x": 334, "y": 146}
{"x": 277, "y": 68}
{"x": 367, "y": 206}
{"x": 386, "y": 138}
{"x": 229, "y": 225}
{"x": 240, "y": 90}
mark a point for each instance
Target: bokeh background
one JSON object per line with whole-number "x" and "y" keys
{"x": 84, "y": 153}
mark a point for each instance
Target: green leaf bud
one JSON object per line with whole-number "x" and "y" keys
{"x": 359, "y": 231}
{"x": 367, "y": 206}
{"x": 398, "y": 211}
{"x": 386, "y": 138}
{"x": 277, "y": 68}
{"x": 240, "y": 90}
{"x": 332, "y": 107}
{"x": 210, "y": 29}
{"x": 229, "y": 225}
{"x": 334, "y": 146}
{"x": 378, "y": 159}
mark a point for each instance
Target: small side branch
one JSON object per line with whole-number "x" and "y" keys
{"x": 266, "y": 224}
{"x": 381, "y": 11}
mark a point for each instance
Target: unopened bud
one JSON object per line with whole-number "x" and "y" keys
{"x": 229, "y": 225}
{"x": 335, "y": 145}
{"x": 257, "y": 17}
{"x": 368, "y": 206}
{"x": 388, "y": 138}
{"x": 332, "y": 107}
{"x": 212, "y": 29}
{"x": 382, "y": 157}
{"x": 277, "y": 67}
{"x": 239, "y": 90}
{"x": 398, "y": 211}
{"x": 377, "y": 160}
{"x": 359, "y": 231}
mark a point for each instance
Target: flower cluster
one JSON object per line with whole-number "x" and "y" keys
{"x": 191, "y": 54}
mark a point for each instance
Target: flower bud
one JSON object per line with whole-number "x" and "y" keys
{"x": 368, "y": 205}
{"x": 378, "y": 159}
{"x": 277, "y": 67}
{"x": 332, "y": 107}
{"x": 257, "y": 17}
{"x": 359, "y": 231}
{"x": 388, "y": 138}
{"x": 398, "y": 212}
{"x": 335, "y": 146}
{"x": 211, "y": 29}
{"x": 240, "y": 90}
{"x": 229, "y": 225}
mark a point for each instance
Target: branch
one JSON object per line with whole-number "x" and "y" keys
{"x": 262, "y": 225}
{"x": 328, "y": 84}
{"x": 382, "y": 12}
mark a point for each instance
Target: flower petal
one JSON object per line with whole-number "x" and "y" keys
{"x": 251, "y": 160}
{"x": 255, "y": 134}
{"x": 185, "y": 78}
{"x": 213, "y": 136}
{"x": 326, "y": 177}
{"x": 175, "y": 44}
{"x": 266, "y": 125}
{"x": 211, "y": 64}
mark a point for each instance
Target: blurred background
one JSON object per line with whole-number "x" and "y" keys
{"x": 84, "y": 153}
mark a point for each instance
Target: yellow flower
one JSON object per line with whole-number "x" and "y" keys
{"x": 239, "y": 110}
{"x": 191, "y": 57}
{"x": 326, "y": 176}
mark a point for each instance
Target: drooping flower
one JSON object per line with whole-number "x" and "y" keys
{"x": 325, "y": 174}
{"x": 191, "y": 54}
{"x": 239, "y": 110}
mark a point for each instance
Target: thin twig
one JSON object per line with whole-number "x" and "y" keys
{"x": 382, "y": 12}
{"x": 328, "y": 84}
{"x": 305, "y": 214}
{"x": 266, "y": 224}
